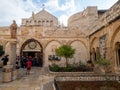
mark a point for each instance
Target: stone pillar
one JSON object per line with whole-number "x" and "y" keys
{"x": 12, "y": 54}
{"x": 93, "y": 54}
{"x": 7, "y": 74}
{"x": 9, "y": 70}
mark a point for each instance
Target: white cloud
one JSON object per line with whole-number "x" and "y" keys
{"x": 68, "y": 7}
{"x": 14, "y": 10}
{"x": 18, "y": 9}
{"x": 63, "y": 19}
{"x": 70, "y": 10}
{"x": 108, "y": 4}
{"x": 52, "y": 4}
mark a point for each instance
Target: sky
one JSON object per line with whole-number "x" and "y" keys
{"x": 62, "y": 9}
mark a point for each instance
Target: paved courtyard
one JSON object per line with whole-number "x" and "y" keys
{"x": 38, "y": 79}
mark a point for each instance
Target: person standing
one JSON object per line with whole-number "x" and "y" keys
{"x": 5, "y": 60}
{"x": 17, "y": 62}
{"x": 28, "y": 65}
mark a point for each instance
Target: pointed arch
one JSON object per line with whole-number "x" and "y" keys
{"x": 92, "y": 43}
{"x": 114, "y": 35}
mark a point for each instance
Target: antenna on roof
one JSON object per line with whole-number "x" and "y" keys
{"x": 43, "y": 6}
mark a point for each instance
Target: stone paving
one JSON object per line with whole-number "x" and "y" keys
{"x": 39, "y": 79}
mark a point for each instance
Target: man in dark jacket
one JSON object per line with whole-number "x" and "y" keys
{"x": 5, "y": 60}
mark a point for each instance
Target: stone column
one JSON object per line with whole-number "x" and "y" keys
{"x": 93, "y": 54}
{"x": 9, "y": 73}
{"x": 12, "y": 54}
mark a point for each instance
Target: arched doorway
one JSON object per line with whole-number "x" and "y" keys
{"x": 118, "y": 53}
{"x": 34, "y": 49}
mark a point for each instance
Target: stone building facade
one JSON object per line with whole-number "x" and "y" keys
{"x": 105, "y": 35}
{"x": 41, "y": 34}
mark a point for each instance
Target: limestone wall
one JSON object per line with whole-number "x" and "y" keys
{"x": 112, "y": 34}
{"x": 106, "y": 18}
{"x": 42, "y": 18}
{"x": 107, "y": 26}
{"x": 43, "y": 27}
{"x": 84, "y": 19}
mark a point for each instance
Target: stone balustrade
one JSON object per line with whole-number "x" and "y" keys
{"x": 86, "y": 77}
{"x": 71, "y": 74}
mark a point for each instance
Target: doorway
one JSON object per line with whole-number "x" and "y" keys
{"x": 34, "y": 49}
{"x": 36, "y": 57}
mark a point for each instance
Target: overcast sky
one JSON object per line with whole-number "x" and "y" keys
{"x": 62, "y": 9}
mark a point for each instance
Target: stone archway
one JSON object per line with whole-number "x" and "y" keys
{"x": 33, "y": 48}
{"x": 114, "y": 44}
{"x": 117, "y": 46}
{"x": 94, "y": 46}
{"x": 116, "y": 31}
{"x": 94, "y": 43}
{"x": 81, "y": 52}
{"x": 50, "y": 51}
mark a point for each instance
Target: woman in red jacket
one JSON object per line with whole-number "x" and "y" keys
{"x": 28, "y": 65}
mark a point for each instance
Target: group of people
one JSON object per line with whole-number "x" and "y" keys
{"x": 35, "y": 61}
{"x": 24, "y": 62}
{"x": 21, "y": 62}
